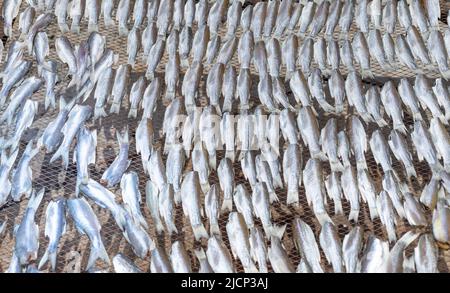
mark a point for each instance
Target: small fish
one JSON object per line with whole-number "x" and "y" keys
{"x": 362, "y": 54}
{"x": 391, "y": 184}
{"x": 156, "y": 169}
{"x": 133, "y": 46}
{"x": 212, "y": 209}
{"x": 336, "y": 86}
{"x": 395, "y": 260}
{"x": 159, "y": 261}
{"x": 438, "y": 52}
{"x": 296, "y": 12}
{"x": 441, "y": 140}
{"x": 26, "y": 19}
{"x": 414, "y": 212}
{"x": 190, "y": 198}
{"x": 399, "y": 148}
{"x": 344, "y": 148}
{"x": 229, "y": 88}
{"x": 351, "y": 248}
{"x": 278, "y": 257}
{"x": 185, "y": 45}
{"x": 205, "y": 267}
{"x": 152, "y": 10}
{"x": 148, "y": 39}
{"x": 270, "y": 18}
{"x": 408, "y": 95}
{"x": 347, "y": 14}
{"x": 358, "y": 141}
{"x": 441, "y": 218}
{"x": 417, "y": 45}
{"x": 376, "y": 48}
{"x": 306, "y": 244}
{"x": 333, "y": 54}
{"x": 375, "y": 254}
{"x": 136, "y": 93}
{"x": 389, "y": 49}
{"x": 380, "y": 150}
{"x": 317, "y": 90}
{"x": 66, "y": 53}
{"x": 309, "y": 131}
{"x": 114, "y": 172}
{"x": 249, "y": 168}
{"x": 152, "y": 199}
{"x": 122, "y": 15}
{"x": 427, "y": 98}
{"x": 299, "y": 86}
{"x": 85, "y": 154}
{"x": 258, "y": 250}
{"x": 214, "y": 83}
{"x": 332, "y": 247}
{"x": 10, "y": 10}
{"x": 243, "y": 204}
{"x": 150, "y": 99}
{"x": 166, "y": 208}
{"x": 404, "y": 14}
{"x": 320, "y": 54}
{"x": 373, "y": 100}
{"x": 61, "y": 8}
{"x": 329, "y": 143}
{"x": 333, "y": 18}
{"x": 93, "y": 14}
{"x": 261, "y": 208}
{"x": 306, "y": 55}
{"x": 5, "y": 169}
{"x": 154, "y": 57}
{"x": 425, "y": 148}
{"x": 334, "y": 191}
{"x": 174, "y": 168}
{"x": 119, "y": 90}
{"x": 361, "y": 16}
{"x": 355, "y": 95}
{"x": 131, "y": 197}
{"x": 226, "y": 180}
{"x": 347, "y": 55}
{"x": 13, "y": 79}
{"x": 404, "y": 53}
{"x": 76, "y": 13}
{"x": 106, "y": 10}
{"x": 86, "y": 222}
{"x": 315, "y": 189}
{"x": 200, "y": 164}
{"x": 307, "y": 16}
{"x": 27, "y": 232}
{"x": 319, "y": 19}
{"x": 25, "y": 118}
{"x": 368, "y": 192}
{"x": 55, "y": 227}
{"x": 433, "y": 10}
{"x": 219, "y": 256}
{"x": 289, "y": 50}
{"x": 234, "y": 13}
{"x": 140, "y": 11}
{"x": 258, "y": 19}
{"x": 246, "y": 18}
{"x": 429, "y": 194}
{"x": 51, "y": 78}
{"x": 426, "y": 255}
{"x": 442, "y": 94}
{"x": 387, "y": 215}
{"x": 351, "y": 192}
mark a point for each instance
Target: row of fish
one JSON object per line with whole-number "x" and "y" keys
{"x": 264, "y": 18}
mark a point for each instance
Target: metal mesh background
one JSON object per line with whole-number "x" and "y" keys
{"x": 74, "y": 248}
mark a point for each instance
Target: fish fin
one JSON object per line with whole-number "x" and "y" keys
{"x": 123, "y": 30}
{"x": 98, "y": 251}
{"x": 115, "y": 108}
{"x": 400, "y": 127}
{"x": 99, "y": 112}
{"x": 411, "y": 172}
{"x": 214, "y": 229}
{"x": 200, "y": 232}
{"x": 184, "y": 63}
{"x": 64, "y": 154}
{"x": 227, "y": 205}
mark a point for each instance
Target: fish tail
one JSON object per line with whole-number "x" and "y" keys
{"x": 292, "y": 197}
{"x": 200, "y": 254}
{"x": 35, "y": 199}
{"x": 150, "y": 75}
{"x": 361, "y": 165}
{"x": 367, "y": 74}
{"x": 214, "y": 229}
{"x": 177, "y": 197}
{"x": 325, "y": 105}
{"x": 373, "y": 211}
{"x": 50, "y": 101}
{"x": 381, "y": 122}
{"x": 273, "y": 197}
{"x": 212, "y": 161}
{"x": 230, "y": 155}
{"x": 277, "y": 231}
{"x": 75, "y": 28}
{"x": 338, "y": 210}
{"x": 172, "y": 227}
{"x": 63, "y": 27}
{"x": 200, "y": 232}
{"x": 353, "y": 215}
{"x": 170, "y": 95}
{"x": 92, "y": 27}
{"x": 339, "y": 108}
{"x": 324, "y": 217}
{"x": 400, "y": 127}
{"x": 99, "y": 112}
{"x": 184, "y": 63}
{"x": 64, "y": 154}
{"x": 132, "y": 113}
{"x": 123, "y": 31}
{"x": 48, "y": 256}
{"x": 227, "y": 205}
{"x": 411, "y": 172}
{"x": 109, "y": 22}
{"x": 98, "y": 251}
{"x": 336, "y": 166}
{"x": 115, "y": 108}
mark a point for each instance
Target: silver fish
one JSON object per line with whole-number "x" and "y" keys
{"x": 433, "y": 10}
{"x": 105, "y": 199}
{"x": 442, "y": 94}
{"x": 389, "y": 48}
{"x": 214, "y": 83}
{"x": 426, "y": 255}
{"x": 391, "y": 184}
{"x": 373, "y": 100}
{"x": 200, "y": 44}
{"x": 358, "y": 141}
{"x": 306, "y": 55}
{"x": 336, "y": 86}
{"x": 229, "y": 88}
{"x": 122, "y": 15}
{"x": 319, "y": 19}
{"x": 201, "y": 12}
{"x": 355, "y": 95}
{"x": 103, "y": 92}
{"x": 25, "y": 118}
{"x": 226, "y": 180}
{"x": 150, "y": 99}
{"x": 380, "y": 150}
{"x": 299, "y": 86}
{"x": 387, "y": 215}
{"x": 261, "y": 208}
{"x": 93, "y": 14}
{"x": 133, "y": 45}
{"x": 414, "y": 212}
{"x": 136, "y": 93}
{"x": 274, "y": 57}
{"x": 76, "y": 13}
{"x": 212, "y": 50}
{"x": 243, "y": 88}
{"x": 258, "y": 19}
{"x": 334, "y": 191}
{"x": 86, "y": 222}
{"x": 375, "y": 254}
{"x": 227, "y": 51}
{"x": 351, "y": 192}
{"x": 367, "y": 190}
{"x": 317, "y": 90}
{"x": 347, "y": 56}
{"x": 114, "y": 172}
{"x": 395, "y": 260}
{"x": 152, "y": 10}
{"x": 417, "y": 45}
{"x": 427, "y": 98}
{"x": 227, "y": 132}
{"x": 390, "y": 16}
{"x": 85, "y": 153}
{"x": 351, "y": 248}
{"x": 376, "y": 48}
{"x": 375, "y": 10}
{"x": 334, "y": 14}
{"x": 149, "y": 36}
{"x": 292, "y": 167}
{"x": 347, "y": 14}
{"x": 307, "y": 16}
{"x": 154, "y": 57}
{"x": 425, "y": 148}
{"x": 344, "y": 148}
{"x": 332, "y": 247}
{"x": 283, "y": 18}
{"x": 106, "y": 10}
{"x": 333, "y": 55}
{"x": 166, "y": 208}
{"x": 404, "y": 53}
{"x": 212, "y": 209}
{"x": 362, "y": 54}
{"x": 61, "y": 14}
{"x": 215, "y": 15}
{"x": 270, "y": 18}
{"x": 320, "y": 53}
{"x": 243, "y": 204}
{"x": 288, "y": 127}
{"x": 156, "y": 169}
{"x": 26, "y": 19}
{"x": 329, "y": 142}
{"x": 306, "y": 244}
{"x": 174, "y": 168}
{"x": 258, "y": 250}
{"x": 409, "y": 98}
{"x": 289, "y": 52}
{"x": 399, "y": 148}
{"x": 152, "y": 199}
{"x": 219, "y": 256}
{"x": 51, "y": 78}
{"x": 55, "y": 227}
{"x": 190, "y": 84}
{"x": 10, "y": 10}
{"x": 172, "y": 41}
{"x": 309, "y": 131}
{"x": 246, "y": 18}
{"x": 66, "y": 53}
{"x": 13, "y": 79}
{"x": 440, "y": 220}
{"x": 315, "y": 189}
{"x": 249, "y": 168}
{"x": 279, "y": 94}
{"x": 139, "y": 12}
{"x": 190, "y": 198}
{"x": 441, "y": 140}
{"x": 404, "y": 14}
{"x": 119, "y": 90}
{"x": 27, "y": 232}
{"x": 296, "y": 12}
{"x": 278, "y": 257}
{"x": 185, "y": 45}
{"x": 165, "y": 16}
{"x": 437, "y": 51}
{"x": 131, "y": 197}
{"x": 238, "y": 236}
{"x": 361, "y": 16}
{"x": 200, "y": 164}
